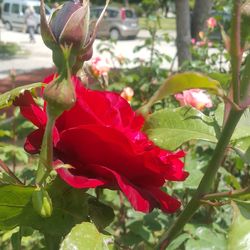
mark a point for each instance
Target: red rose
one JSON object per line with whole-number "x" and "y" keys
{"x": 101, "y": 138}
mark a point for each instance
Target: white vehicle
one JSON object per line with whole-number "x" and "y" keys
{"x": 13, "y": 13}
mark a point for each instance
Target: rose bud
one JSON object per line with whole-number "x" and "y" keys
{"x": 63, "y": 23}
{"x": 60, "y": 95}
{"x": 211, "y": 23}
{"x": 196, "y": 98}
{"x": 127, "y": 94}
{"x": 69, "y": 25}
{"x": 42, "y": 203}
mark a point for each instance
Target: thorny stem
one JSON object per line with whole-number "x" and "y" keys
{"x": 46, "y": 155}
{"x": 229, "y": 194}
{"x": 9, "y": 172}
{"x": 236, "y": 51}
{"x": 214, "y": 204}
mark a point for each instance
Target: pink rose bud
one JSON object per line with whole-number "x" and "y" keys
{"x": 193, "y": 41}
{"x": 196, "y": 98}
{"x": 100, "y": 66}
{"x": 127, "y": 94}
{"x": 211, "y": 23}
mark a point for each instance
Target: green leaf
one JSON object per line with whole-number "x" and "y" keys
{"x": 238, "y": 237}
{"x": 13, "y": 201}
{"x": 139, "y": 229}
{"x": 175, "y": 244}
{"x": 7, "y": 179}
{"x": 183, "y": 81}
{"x": 70, "y": 206}
{"x": 169, "y": 128}
{"x": 5, "y": 133}
{"x": 245, "y": 81}
{"x": 101, "y": 214}
{"x": 222, "y": 78}
{"x": 241, "y": 138}
{"x": 16, "y": 239}
{"x": 193, "y": 166}
{"x": 7, "y": 98}
{"x": 244, "y": 208}
{"x": 151, "y": 222}
{"x": 193, "y": 179}
{"x": 245, "y": 20}
{"x": 85, "y": 236}
{"x": 229, "y": 179}
{"x": 131, "y": 239}
{"x": 206, "y": 239}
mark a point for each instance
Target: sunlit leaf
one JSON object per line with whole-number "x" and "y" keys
{"x": 222, "y": 78}
{"x": 205, "y": 239}
{"x": 239, "y": 234}
{"x": 85, "y": 236}
{"x": 169, "y": 128}
{"x": 245, "y": 82}
{"x": 245, "y": 20}
{"x": 244, "y": 208}
{"x": 241, "y": 138}
{"x": 13, "y": 200}
{"x": 4, "y": 133}
{"x": 7, "y": 98}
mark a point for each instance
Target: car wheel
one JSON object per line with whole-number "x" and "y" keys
{"x": 115, "y": 34}
{"x": 132, "y": 37}
{"x": 7, "y": 26}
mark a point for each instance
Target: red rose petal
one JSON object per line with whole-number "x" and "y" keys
{"x": 167, "y": 203}
{"x": 33, "y": 142}
{"x": 30, "y": 110}
{"x": 108, "y": 147}
{"x": 79, "y": 181}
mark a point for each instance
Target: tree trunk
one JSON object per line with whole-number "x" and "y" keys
{"x": 200, "y": 14}
{"x": 126, "y": 3}
{"x": 183, "y": 39}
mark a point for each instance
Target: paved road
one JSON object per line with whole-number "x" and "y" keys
{"x": 39, "y": 56}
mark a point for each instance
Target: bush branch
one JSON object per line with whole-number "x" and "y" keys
{"x": 236, "y": 54}
{"x": 230, "y": 194}
{"x": 9, "y": 172}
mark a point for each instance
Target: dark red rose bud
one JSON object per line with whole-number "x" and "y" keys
{"x": 61, "y": 16}
{"x": 70, "y": 24}
{"x": 60, "y": 96}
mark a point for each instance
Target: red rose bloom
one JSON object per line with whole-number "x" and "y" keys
{"x": 101, "y": 138}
